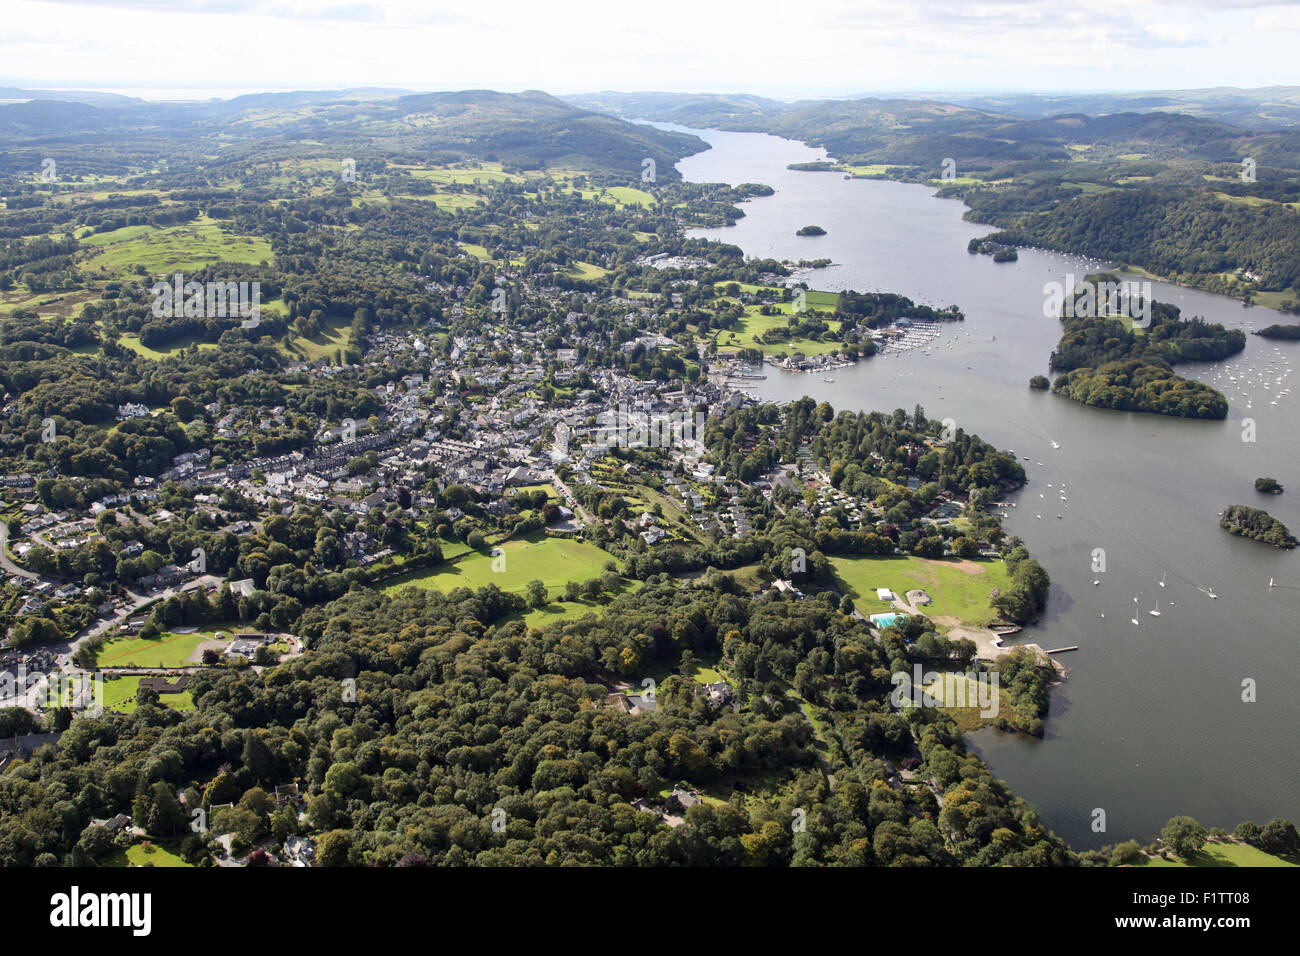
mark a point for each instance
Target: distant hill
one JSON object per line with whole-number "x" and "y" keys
{"x": 915, "y": 131}
{"x": 14, "y": 93}
{"x": 687, "y": 109}
{"x": 529, "y": 130}
{"x": 1265, "y": 108}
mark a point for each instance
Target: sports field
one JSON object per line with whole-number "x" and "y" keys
{"x": 169, "y": 650}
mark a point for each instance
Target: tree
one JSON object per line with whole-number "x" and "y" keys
{"x": 95, "y": 842}
{"x": 1128, "y": 853}
{"x": 146, "y": 696}
{"x": 332, "y": 848}
{"x": 1184, "y": 836}
{"x": 257, "y": 756}
{"x": 1279, "y": 837}
{"x": 536, "y": 594}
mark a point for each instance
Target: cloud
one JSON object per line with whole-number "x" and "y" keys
{"x": 581, "y": 45}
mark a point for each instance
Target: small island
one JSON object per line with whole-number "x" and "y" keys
{"x": 987, "y": 247}
{"x": 811, "y": 231}
{"x": 1257, "y": 525}
{"x": 1268, "y": 486}
{"x": 1040, "y": 381}
{"x": 1107, "y": 362}
{"x": 1280, "y": 332}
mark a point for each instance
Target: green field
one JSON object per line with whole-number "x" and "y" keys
{"x": 627, "y": 196}
{"x": 115, "y": 235}
{"x": 956, "y": 592}
{"x": 553, "y": 561}
{"x": 169, "y": 650}
{"x": 335, "y": 336}
{"x": 119, "y": 695}
{"x": 177, "y": 248}
{"x": 1224, "y": 854}
{"x": 467, "y": 174}
{"x": 131, "y": 341}
{"x": 585, "y": 270}
{"x": 560, "y": 611}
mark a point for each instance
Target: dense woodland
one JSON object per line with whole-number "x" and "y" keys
{"x": 1257, "y": 525}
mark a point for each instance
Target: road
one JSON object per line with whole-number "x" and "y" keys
{"x": 7, "y": 564}
{"x": 572, "y": 502}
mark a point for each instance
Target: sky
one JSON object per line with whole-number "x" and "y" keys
{"x": 194, "y": 48}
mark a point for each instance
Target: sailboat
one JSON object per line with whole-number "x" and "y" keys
{"x": 1056, "y": 444}
{"x": 1271, "y": 584}
{"x": 1162, "y": 580}
{"x": 1136, "y": 622}
{"x": 1156, "y": 612}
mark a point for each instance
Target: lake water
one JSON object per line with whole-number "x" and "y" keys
{"x": 1151, "y": 721}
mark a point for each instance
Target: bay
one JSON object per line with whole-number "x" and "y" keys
{"x": 1150, "y": 722}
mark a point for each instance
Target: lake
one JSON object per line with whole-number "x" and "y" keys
{"x": 1151, "y": 721}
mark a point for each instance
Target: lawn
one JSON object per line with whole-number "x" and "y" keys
{"x": 138, "y": 855}
{"x": 169, "y": 650}
{"x": 119, "y": 695}
{"x": 1224, "y": 854}
{"x": 551, "y": 493}
{"x": 752, "y": 326}
{"x": 956, "y": 592}
{"x": 553, "y": 561}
